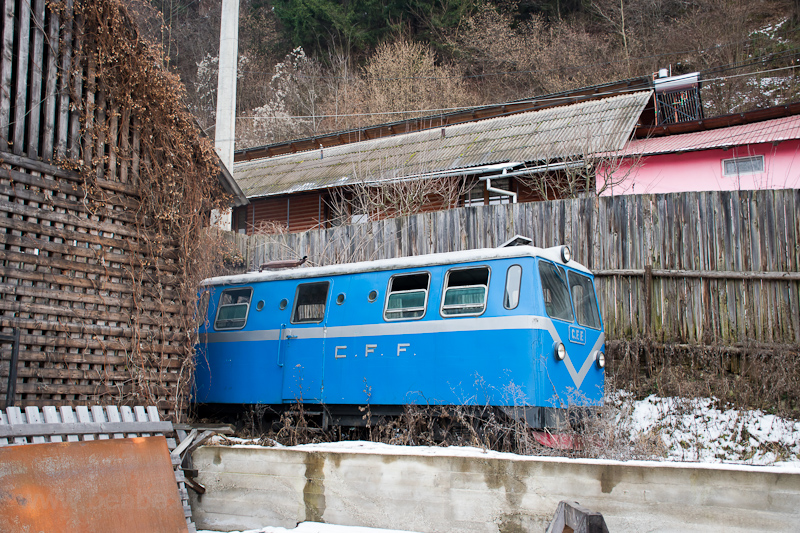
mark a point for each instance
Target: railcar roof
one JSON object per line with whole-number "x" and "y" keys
{"x": 419, "y": 261}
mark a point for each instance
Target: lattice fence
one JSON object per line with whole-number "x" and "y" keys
{"x": 94, "y": 281}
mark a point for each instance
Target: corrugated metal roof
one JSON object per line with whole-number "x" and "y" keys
{"x": 779, "y": 129}
{"x": 546, "y": 135}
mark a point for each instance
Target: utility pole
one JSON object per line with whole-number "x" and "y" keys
{"x": 225, "y": 131}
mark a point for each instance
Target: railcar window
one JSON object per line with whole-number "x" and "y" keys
{"x": 584, "y": 300}
{"x": 465, "y": 291}
{"x": 407, "y": 296}
{"x": 513, "y": 282}
{"x": 233, "y": 307}
{"x": 309, "y": 304}
{"x": 554, "y": 289}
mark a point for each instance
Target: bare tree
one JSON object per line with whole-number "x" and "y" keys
{"x": 613, "y": 12}
{"x": 294, "y": 103}
{"x": 377, "y": 200}
{"x": 588, "y": 172}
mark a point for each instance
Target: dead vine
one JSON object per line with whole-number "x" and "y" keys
{"x": 172, "y": 187}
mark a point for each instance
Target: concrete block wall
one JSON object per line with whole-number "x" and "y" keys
{"x": 253, "y": 487}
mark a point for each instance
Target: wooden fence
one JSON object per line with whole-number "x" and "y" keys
{"x": 710, "y": 268}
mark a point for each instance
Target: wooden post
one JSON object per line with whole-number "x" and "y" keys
{"x": 648, "y": 300}
{"x": 11, "y": 390}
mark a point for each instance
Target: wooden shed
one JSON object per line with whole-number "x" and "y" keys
{"x": 106, "y": 185}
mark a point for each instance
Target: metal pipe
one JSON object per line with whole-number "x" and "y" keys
{"x": 489, "y": 188}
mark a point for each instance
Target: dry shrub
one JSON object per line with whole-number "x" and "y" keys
{"x": 490, "y": 44}
{"x": 404, "y": 76}
{"x": 603, "y": 434}
{"x": 574, "y": 57}
{"x": 270, "y": 227}
{"x": 393, "y": 199}
{"x": 516, "y": 60}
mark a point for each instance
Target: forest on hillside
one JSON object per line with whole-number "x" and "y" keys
{"x": 312, "y": 66}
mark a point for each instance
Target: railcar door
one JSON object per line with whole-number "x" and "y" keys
{"x": 302, "y": 342}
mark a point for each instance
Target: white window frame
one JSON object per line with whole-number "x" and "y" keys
{"x": 390, "y": 292}
{"x": 446, "y": 287}
{"x": 736, "y": 161}
{"x": 220, "y": 307}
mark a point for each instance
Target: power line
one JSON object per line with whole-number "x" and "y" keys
{"x": 793, "y": 67}
{"x": 453, "y": 109}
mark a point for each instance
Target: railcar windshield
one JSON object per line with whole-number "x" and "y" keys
{"x": 555, "y": 292}
{"x": 584, "y": 300}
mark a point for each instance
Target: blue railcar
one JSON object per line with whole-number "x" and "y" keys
{"x": 514, "y": 327}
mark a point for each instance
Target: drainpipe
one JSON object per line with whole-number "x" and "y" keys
{"x": 489, "y": 187}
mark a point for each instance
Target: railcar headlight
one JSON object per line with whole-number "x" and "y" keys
{"x": 601, "y": 359}
{"x": 566, "y": 254}
{"x": 560, "y": 352}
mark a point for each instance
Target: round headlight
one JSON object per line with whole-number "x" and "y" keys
{"x": 560, "y": 352}
{"x": 601, "y": 359}
{"x": 566, "y": 254}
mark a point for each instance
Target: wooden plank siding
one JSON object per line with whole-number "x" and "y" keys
{"x": 723, "y": 265}
{"x": 290, "y": 213}
{"x": 303, "y": 211}
{"x": 77, "y": 277}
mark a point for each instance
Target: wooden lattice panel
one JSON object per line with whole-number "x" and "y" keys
{"x": 76, "y": 276}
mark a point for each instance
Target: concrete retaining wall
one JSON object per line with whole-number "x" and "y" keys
{"x": 249, "y": 487}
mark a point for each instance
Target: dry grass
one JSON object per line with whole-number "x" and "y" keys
{"x": 600, "y": 435}
{"x": 754, "y": 377}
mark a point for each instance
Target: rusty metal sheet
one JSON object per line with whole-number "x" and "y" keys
{"x": 103, "y": 485}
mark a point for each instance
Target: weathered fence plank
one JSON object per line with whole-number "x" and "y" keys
{"x": 724, "y": 264}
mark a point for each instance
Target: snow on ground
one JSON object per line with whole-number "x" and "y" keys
{"x": 696, "y": 430}
{"x": 315, "y": 527}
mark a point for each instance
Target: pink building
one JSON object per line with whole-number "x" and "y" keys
{"x": 761, "y": 154}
